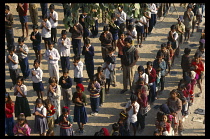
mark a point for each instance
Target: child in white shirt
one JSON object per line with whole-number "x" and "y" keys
{"x": 78, "y": 69}
{"x": 53, "y": 18}
{"x": 46, "y": 30}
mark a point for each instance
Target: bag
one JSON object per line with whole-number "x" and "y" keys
{"x": 145, "y": 110}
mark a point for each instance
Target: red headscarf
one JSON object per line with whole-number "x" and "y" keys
{"x": 81, "y": 87}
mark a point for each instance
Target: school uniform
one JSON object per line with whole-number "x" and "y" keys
{"x": 78, "y": 72}
{"x": 36, "y": 43}
{"x": 23, "y": 59}
{"x": 101, "y": 81}
{"x": 140, "y": 26}
{"x": 64, "y": 52}
{"x": 53, "y": 66}
{"x": 40, "y": 123}
{"x": 55, "y": 99}
{"x": 21, "y": 103}
{"x": 13, "y": 68}
{"x": 50, "y": 118}
{"x": 46, "y": 35}
{"x": 9, "y": 29}
{"x": 107, "y": 73}
{"x": 53, "y": 25}
{"x": 66, "y": 90}
{"x": 65, "y": 127}
{"x": 37, "y": 79}
{"x": 94, "y": 29}
{"x": 89, "y": 62}
{"x": 152, "y": 21}
{"x": 122, "y": 20}
{"x": 174, "y": 44}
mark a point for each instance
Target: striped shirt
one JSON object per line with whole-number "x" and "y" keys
{"x": 94, "y": 93}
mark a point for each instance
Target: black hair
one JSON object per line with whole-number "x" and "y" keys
{"x": 115, "y": 127}
{"x": 141, "y": 68}
{"x": 63, "y": 32}
{"x": 149, "y": 63}
{"x": 87, "y": 41}
{"x": 130, "y": 27}
{"x": 52, "y": 80}
{"x": 7, "y": 7}
{"x": 76, "y": 57}
{"x": 20, "y": 78}
{"x": 65, "y": 70}
{"x": 106, "y": 28}
{"x": 159, "y": 53}
{"x": 128, "y": 39}
{"x": 113, "y": 15}
{"x": 50, "y": 43}
{"x": 173, "y": 27}
{"x": 36, "y": 61}
{"x": 11, "y": 48}
{"x": 44, "y": 16}
{"x": 39, "y": 101}
{"x": 187, "y": 51}
{"x": 35, "y": 26}
{"x": 163, "y": 45}
{"x": 99, "y": 69}
{"x": 52, "y": 6}
{"x": 169, "y": 43}
{"x": 197, "y": 55}
{"x": 133, "y": 97}
{"x": 21, "y": 39}
{"x": 120, "y": 6}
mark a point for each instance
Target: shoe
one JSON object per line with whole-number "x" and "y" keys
{"x": 101, "y": 105}
{"x": 92, "y": 113}
{"x": 181, "y": 133}
{"x": 12, "y": 88}
{"x": 123, "y": 91}
{"x": 96, "y": 113}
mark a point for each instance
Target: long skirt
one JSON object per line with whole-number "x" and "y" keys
{"x": 22, "y": 106}
{"x": 80, "y": 114}
{"x": 40, "y": 125}
{"x": 66, "y": 132}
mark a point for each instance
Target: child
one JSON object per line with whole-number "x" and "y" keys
{"x": 54, "y": 94}
{"x": 22, "y": 51}
{"x": 40, "y": 123}
{"x": 12, "y": 60}
{"x": 120, "y": 45}
{"x": 84, "y": 20}
{"x": 108, "y": 67}
{"x": 193, "y": 83}
{"x": 186, "y": 62}
{"x": 36, "y": 39}
{"x": 36, "y": 76}
{"x": 115, "y": 130}
{"x": 21, "y": 102}
{"x": 80, "y": 100}
{"x": 88, "y": 52}
{"x": 94, "y": 89}
{"x": 65, "y": 82}
{"x": 123, "y": 124}
{"x": 52, "y": 56}
{"x": 132, "y": 33}
{"x": 171, "y": 55}
{"x": 78, "y": 69}
{"x": 158, "y": 73}
{"x": 50, "y": 118}
{"x": 132, "y": 108}
{"x": 166, "y": 126}
{"x": 100, "y": 77}
{"x": 64, "y": 44}
{"x": 46, "y": 30}
{"x": 21, "y": 128}
{"x": 65, "y": 121}
{"x": 53, "y": 18}
{"x": 9, "y": 119}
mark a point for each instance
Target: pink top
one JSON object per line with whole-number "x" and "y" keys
{"x": 25, "y": 128}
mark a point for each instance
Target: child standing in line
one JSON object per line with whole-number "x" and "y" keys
{"x": 52, "y": 56}
{"x": 12, "y": 60}
{"x": 80, "y": 101}
{"x": 123, "y": 124}
{"x": 21, "y": 128}
{"x": 65, "y": 121}
{"x": 53, "y": 18}
{"x": 40, "y": 123}
{"x": 22, "y": 51}
{"x": 46, "y": 30}
{"x": 65, "y": 82}
{"x": 36, "y": 76}
{"x": 54, "y": 94}
{"x": 78, "y": 69}
{"x": 171, "y": 54}
{"x": 36, "y": 39}
{"x": 132, "y": 33}
{"x": 9, "y": 119}
{"x": 21, "y": 102}
{"x": 120, "y": 45}
{"x": 50, "y": 118}
{"x": 64, "y": 44}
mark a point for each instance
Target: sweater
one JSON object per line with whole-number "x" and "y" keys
{"x": 9, "y": 110}
{"x": 68, "y": 83}
{"x": 37, "y": 40}
{"x": 88, "y": 54}
{"x": 152, "y": 75}
{"x": 9, "y": 22}
{"x": 76, "y": 34}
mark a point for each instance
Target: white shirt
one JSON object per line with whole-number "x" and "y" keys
{"x": 78, "y": 70}
{"x": 142, "y": 19}
{"x": 11, "y": 65}
{"x": 23, "y": 88}
{"x": 54, "y": 53}
{"x": 122, "y": 17}
{"x": 144, "y": 76}
{"x": 106, "y": 71}
{"x": 45, "y": 33}
{"x": 21, "y": 55}
{"x": 44, "y": 110}
{"x": 38, "y": 77}
{"x": 132, "y": 118}
{"x": 133, "y": 32}
{"x": 64, "y": 48}
{"x": 174, "y": 34}
{"x": 55, "y": 16}
{"x": 153, "y": 8}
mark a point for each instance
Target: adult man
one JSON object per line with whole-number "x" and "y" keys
{"x": 121, "y": 17}
{"x": 129, "y": 59}
{"x": 180, "y": 29}
{"x": 8, "y": 27}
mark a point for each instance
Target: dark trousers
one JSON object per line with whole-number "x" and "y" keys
{"x": 76, "y": 43}
{"x": 24, "y": 66}
{"x": 152, "y": 22}
{"x": 44, "y": 8}
{"x": 140, "y": 120}
{"x": 53, "y": 34}
{"x": 9, "y": 37}
{"x": 152, "y": 92}
{"x": 13, "y": 75}
{"x": 94, "y": 103}
{"x": 90, "y": 68}
{"x": 65, "y": 63}
{"x": 94, "y": 29}
{"x": 122, "y": 29}
{"x": 162, "y": 82}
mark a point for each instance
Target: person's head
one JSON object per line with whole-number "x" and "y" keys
{"x": 133, "y": 98}
{"x": 52, "y": 7}
{"x": 106, "y": 29}
{"x": 50, "y": 45}
{"x": 108, "y": 60}
{"x": 149, "y": 65}
{"x": 123, "y": 115}
{"x": 111, "y": 50}
{"x": 93, "y": 79}
{"x": 122, "y": 36}
{"x": 65, "y": 111}
{"x": 165, "y": 118}
{"x": 80, "y": 88}
{"x": 141, "y": 69}
{"x": 100, "y": 70}
{"x": 130, "y": 27}
{"x": 128, "y": 42}
{"x": 19, "y": 80}
{"x": 187, "y": 51}
{"x": 187, "y": 80}
{"x": 21, "y": 119}
{"x": 202, "y": 48}
{"x": 113, "y": 16}
{"x": 173, "y": 112}
{"x": 11, "y": 50}
{"x": 48, "y": 103}
{"x": 35, "y": 28}
{"x": 159, "y": 55}
{"x": 36, "y": 63}
{"x": 7, "y": 98}
{"x": 21, "y": 40}
{"x": 173, "y": 28}
{"x": 76, "y": 58}
{"x": 173, "y": 93}
{"x": 65, "y": 72}
{"x": 180, "y": 19}
{"x": 53, "y": 81}
{"x": 44, "y": 17}
{"x": 169, "y": 44}
{"x": 163, "y": 47}
{"x": 189, "y": 8}
{"x": 120, "y": 8}
{"x": 7, "y": 9}
{"x": 197, "y": 57}
{"x": 87, "y": 42}
{"x": 39, "y": 102}
{"x": 141, "y": 81}
{"x": 159, "y": 116}
{"x": 115, "y": 127}
{"x": 63, "y": 34}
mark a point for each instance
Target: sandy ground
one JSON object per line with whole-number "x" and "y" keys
{"x": 115, "y": 102}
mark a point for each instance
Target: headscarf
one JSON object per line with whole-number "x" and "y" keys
{"x": 81, "y": 87}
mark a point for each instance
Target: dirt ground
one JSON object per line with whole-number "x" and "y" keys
{"x": 114, "y": 101}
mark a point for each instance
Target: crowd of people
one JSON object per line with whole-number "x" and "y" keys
{"x": 118, "y": 36}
